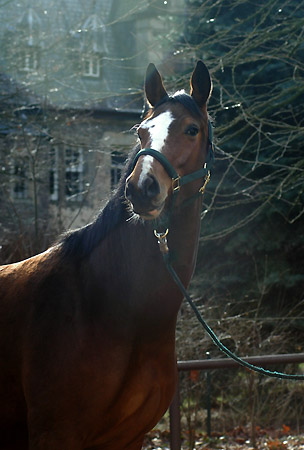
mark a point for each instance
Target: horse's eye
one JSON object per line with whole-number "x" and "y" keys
{"x": 192, "y": 130}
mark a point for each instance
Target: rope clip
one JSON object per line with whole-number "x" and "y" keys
{"x": 162, "y": 241}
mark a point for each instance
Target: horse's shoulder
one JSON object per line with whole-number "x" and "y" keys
{"x": 22, "y": 276}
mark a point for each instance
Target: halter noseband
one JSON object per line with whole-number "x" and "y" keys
{"x": 177, "y": 180}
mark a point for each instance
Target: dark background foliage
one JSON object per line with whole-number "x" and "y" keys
{"x": 252, "y": 231}
{"x": 249, "y": 281}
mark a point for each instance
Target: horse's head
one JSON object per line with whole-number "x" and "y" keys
{"x": 173, "y": 138}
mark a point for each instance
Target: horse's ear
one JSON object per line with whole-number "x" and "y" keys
{"x": 154, "y": 87}
{"x": 201, "y": 85}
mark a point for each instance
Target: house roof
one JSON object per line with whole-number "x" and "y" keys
{"x": 59, "y": 39}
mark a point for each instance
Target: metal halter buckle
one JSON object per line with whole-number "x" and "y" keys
{"x": 176, "y": 184}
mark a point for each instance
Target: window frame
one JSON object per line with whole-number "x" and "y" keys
{"x": 90, "y": 61}
{"x": 54, "y": 169}
{"x": 116, "y": 167}
{"x": 19, "y": 178}
{"x": 70, "y": 169}
{"x": 29, "y": 59}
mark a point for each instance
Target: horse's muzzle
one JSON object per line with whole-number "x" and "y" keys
{"x": 144, "y": 197}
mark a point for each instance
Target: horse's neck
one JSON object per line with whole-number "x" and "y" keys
{"x": 131, "y": 270}
{"x": 185, "y": 235}
{"x": 184, "y": 229}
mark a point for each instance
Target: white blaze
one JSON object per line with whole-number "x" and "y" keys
{"x": 158, "y": 128}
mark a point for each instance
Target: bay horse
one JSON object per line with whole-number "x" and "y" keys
{"x": 87, "y": 328}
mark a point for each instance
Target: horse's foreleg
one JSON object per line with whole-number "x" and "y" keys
{"x": 54, "y": 439}
{"x": 135, "y": 445}
{"x": 54, "y": 443}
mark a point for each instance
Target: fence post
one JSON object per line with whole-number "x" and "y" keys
{"x": 208, "y": 399}
{"x": 175, "y": 425}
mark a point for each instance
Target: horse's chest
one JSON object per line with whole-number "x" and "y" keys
{"x": 141, "y": 398}
{"x": 150, "y": 387}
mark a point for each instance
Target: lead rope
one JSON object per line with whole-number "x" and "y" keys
{"x": 163, "y": 245}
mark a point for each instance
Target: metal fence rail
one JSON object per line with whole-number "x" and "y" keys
{"x": 219, "y": 363}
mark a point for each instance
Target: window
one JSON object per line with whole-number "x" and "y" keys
{"x": 29, "y": 59}
{"x": 53, "y": 174}
{"x": 73, "y": 173}
{"x": 19, "y": 180}
{"x": 117, "y": 164}
{"x": 31, "y": 38}
{"x": 92, "y": 45}
{"x": 91, "y": 66}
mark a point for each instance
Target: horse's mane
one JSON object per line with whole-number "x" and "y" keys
{"x": 80, "y": 243}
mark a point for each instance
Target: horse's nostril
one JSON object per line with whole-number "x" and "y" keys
{"x": 145, "y": 192}
{"x": 150, "y": 187}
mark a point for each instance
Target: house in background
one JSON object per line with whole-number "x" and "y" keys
{"x": 71, "y": 82}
